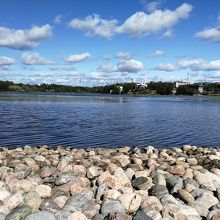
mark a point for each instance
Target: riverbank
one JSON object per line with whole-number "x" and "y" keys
{"x": 117, "y": 184}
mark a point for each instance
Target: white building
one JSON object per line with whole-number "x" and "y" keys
{"x": 120, "y": 89}
{"x": 201, "y": 88}
{"x": 141, "y": 85}
{"x": 178, "y": 84}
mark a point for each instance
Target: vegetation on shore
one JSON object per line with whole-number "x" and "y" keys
{"x": 162, "y": 88}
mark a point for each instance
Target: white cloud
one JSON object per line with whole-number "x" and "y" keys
{"x": 158, "y": 53}
{"x": 24, "y": 39}
{"x": 6, "y": 61}
{"x": 124, "y": 55}
{"x": 165, "y": 67}
{"x": 212, "y": 34}
{"x": 130, "y": 66}
{"x": 34, "y": 58}
{"x": 212, "y": 77}
{"x": 107, "y": 68}
{"x": 139, "y": 24}
{"x": 152, "y": 6}
{"x": 124, "y": 66}
{"x": 76, "y": 58}
{"x": 167, "y": 34}
{"x": 154, "y": 22}
{"x": 94, "y": 25}
{"x": 199, "y": 64}
{"x": 100, "y": 75}
{"x": 57, "y": 19}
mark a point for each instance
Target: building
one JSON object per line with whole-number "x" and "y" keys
{"x": 141, "y": 85}
{"x": 119, "y": 89}
{"x": 180, "y": 83}
{"x": 201, "y": 88}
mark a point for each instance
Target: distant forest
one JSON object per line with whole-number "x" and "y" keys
{"x": 162, "y": 88}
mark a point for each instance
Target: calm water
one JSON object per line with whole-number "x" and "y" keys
{"x": 103, "y": 120}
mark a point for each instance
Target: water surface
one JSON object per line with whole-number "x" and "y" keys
{"x": 108, "y": 120}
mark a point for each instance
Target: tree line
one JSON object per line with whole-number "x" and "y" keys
{"x": 162, "y": 88}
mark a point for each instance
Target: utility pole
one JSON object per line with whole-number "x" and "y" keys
{"x": 187, "y": 78}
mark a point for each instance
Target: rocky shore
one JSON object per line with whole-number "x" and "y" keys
{"x": 39, "y": 183}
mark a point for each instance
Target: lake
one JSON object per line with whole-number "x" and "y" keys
{"x": 108, "y": 120}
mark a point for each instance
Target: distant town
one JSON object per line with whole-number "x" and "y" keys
{"x": 149, "y": 88}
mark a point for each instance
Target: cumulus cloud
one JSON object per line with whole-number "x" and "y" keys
{"x": 158, "y": 53}
{"x": 213, "y": 77}
{"x": 199, "y": 64}
{"x": 123, "y": 66}
{"x": 24, "y": 39}
{"x": 124, "y": 55}
{"x": 152, "y": 6}
{"x": 165, "y": 67}
{"x": 57, "y": 19}
{"x": 211, "y": 34}
{"x": 139, "y": 24}
{"x": 6, "y": 61}
{"x": 157, "y": 21}
{"x": 167, "y": 34}
{"x": 99, "y": 75}
{"x": 76, "y": 58}
{"x": 94, "y": 25}
{"x": 34, "y": 58}
{"x": 130, "y": 66}
{"x": 107, "y": 68}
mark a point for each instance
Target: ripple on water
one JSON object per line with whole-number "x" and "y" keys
{"x": 108, "y": 120}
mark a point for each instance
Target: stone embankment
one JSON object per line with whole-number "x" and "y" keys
{"x": 116, "y": 184}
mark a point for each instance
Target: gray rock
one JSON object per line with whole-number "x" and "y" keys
{"x": 214, "y": 215}
{"x": 198, "y": 192}
{"x": 62, "y": 180}
{"x": 94, "y": 171}
{"x": 49, "y": 205}
{"x": 141, "y": 183}
{"x": 49, "y": 180}
{"x": 142, "y": 215}
{"x": 78, "y": 200}
{"x": 5, "y": 169}
{"x": 59, "y": 192}
{"x": 177, "y": 187}
{"x": 207, "y": 200}
{"x": 82, "y": 202}
{"x": 33, "y": 200}
{"x": 170, "y": 199}
{"x": 102, "y": 189}
{"x": 41, "y": 215}
{"x": 19, "y": 213}
{"x": 185, "y": 196}
{"x": 24, "y": 171}
{"x": 2, "y": 216}
{"x": 158, "y": 191}
{"x": 217, "y": 206}
{"x": 172, "y": 180}
{"x": 99, "y": 217}
{"x": 200, "y": 208}
{"x": 112, "y": 207}
{"x": 159, "y": 179}
{"x": 62, "y": 215}
{"x": 47, "y": 171}
{"x": 192, "y": 182}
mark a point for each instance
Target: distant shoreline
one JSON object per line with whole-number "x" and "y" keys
{"x": 106, "y": 94}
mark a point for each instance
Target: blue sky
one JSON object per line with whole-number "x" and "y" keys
{"x": 93, "y": 42}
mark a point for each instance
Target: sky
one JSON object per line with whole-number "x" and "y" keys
{"x": 98, "y": 42}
